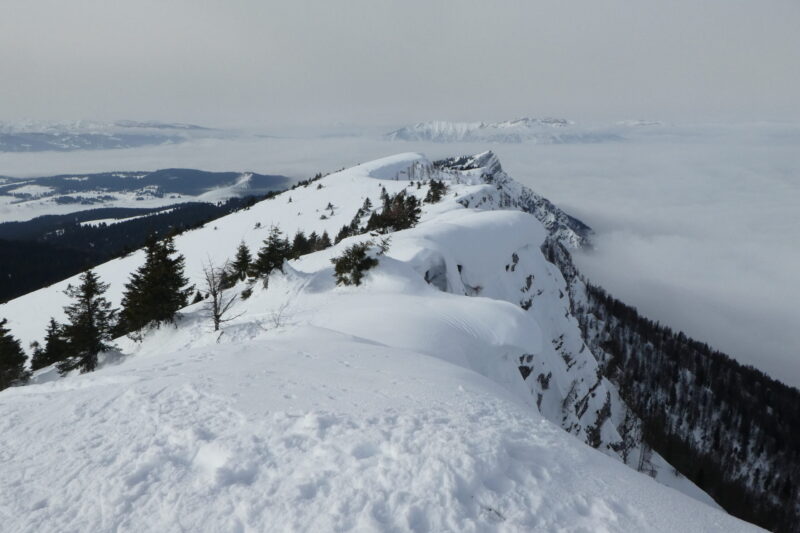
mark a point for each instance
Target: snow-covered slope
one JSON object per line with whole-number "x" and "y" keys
{"x": 397, "y": 405}
{"x": 538, "y": 130}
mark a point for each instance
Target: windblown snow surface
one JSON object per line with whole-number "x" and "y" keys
{"x": 394, "y": 406}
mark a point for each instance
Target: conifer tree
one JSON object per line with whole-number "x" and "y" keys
{"x": 12, "y": 359}
{"x": 324, "y": 241}
{"x": 275, "y": 251}
{"x": 157, "y": 290}
{"x": 399, "y": 212}
{"x": 301, "y": 244}
{"x": 90, "y": 323}
{"x": 55, "y": 347}
{"x": 172, "y": 280}
{"x": 238, "y": 269}
{"x": 349, "y": 267}
{"x": 344, "y": 233}
{"x": 313, "y": 241}
{"x": 436, "y": 192}
{"x": 410, "y": 211}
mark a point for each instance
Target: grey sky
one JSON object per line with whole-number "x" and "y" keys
{"x": 367, "y": 61}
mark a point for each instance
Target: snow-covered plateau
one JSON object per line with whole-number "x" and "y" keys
{"x": 451, "y": 391}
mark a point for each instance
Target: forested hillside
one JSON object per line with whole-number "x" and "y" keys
{"x": 47, "y": 249}
{"x": 728, "y": 427}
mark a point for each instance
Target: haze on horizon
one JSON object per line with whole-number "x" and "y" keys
{"x": 292, "y": 64}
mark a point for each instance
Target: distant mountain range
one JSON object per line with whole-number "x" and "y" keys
{"x": 23, "y": 199}
{"x": 40, "y": 136}
{"x": 538, "y": 130}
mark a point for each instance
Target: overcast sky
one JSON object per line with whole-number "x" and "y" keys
{"x": 368, "y": 61}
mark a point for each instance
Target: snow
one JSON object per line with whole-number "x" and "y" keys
{"x": 112, "y": 221}
{"x": 32, "y": 190}
{"x": 394, "y": 406}
{"x": 217, "y": 241}
{"x": 224, "y": 193}
{"x": 13, "y": 210}
{"x": 316, "y": 431}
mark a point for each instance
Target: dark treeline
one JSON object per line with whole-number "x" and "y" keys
{"x": 39, "y": 227}
{"x": 48, "y": 249}
{"x": 398, "y": 212}
{"x": 28, "y": 266}
{"x": 728, "y": 427}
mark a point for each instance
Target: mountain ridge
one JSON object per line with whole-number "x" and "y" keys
{"x": 500, "y": 307}
{"x": 67, "y": 136}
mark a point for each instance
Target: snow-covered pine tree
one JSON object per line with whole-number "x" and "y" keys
{"x": 91, "y": 320}
{"x": 323, "y": 242}
{"x": 238, "y": 269}
{"x": 301, "y": 244}
{"x": 313, "y": 240}
{"x": 349, "y": 267}
{"x": 275, "y": 251}
{"x": 344, "y": 232}
{"x": 55, "y": 347}
{"x": 436, "y": 192}
{"x": 12, "y": 359}
{"x": 401, "y": 211}
{"x": 157, "y": 290}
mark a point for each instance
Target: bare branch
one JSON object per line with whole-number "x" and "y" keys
{"x": 219, "y": 300}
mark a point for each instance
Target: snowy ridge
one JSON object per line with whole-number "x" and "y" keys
{"x": 538, "y": 130}
{"x": 508, "y": 193}
{"x": 428, "y": 399}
